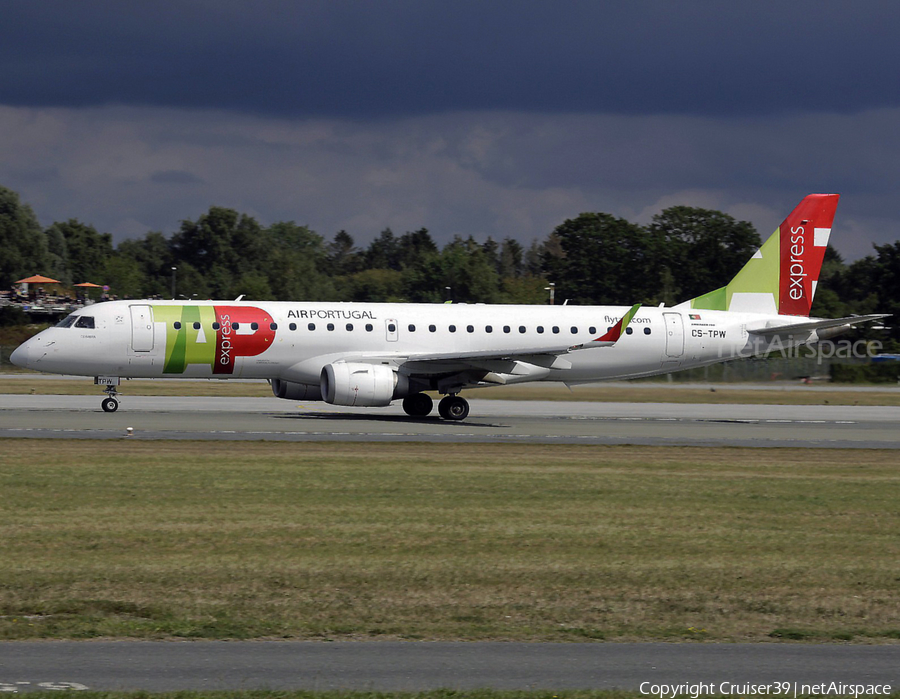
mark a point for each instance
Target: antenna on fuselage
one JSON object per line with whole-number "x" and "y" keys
{"x": 240, "y": 298}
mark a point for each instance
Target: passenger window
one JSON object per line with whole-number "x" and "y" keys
{"x": 85, "y": 322}
{"x": 254, "y": 326}
{"x": 506, "y": 329}
{"x": 196, "y": 326}
{"x": 292, "y": 326}
{"x": 392, "y": 328}
{"x": 646, "y": 331}
{"x": 574, "y": 330}
{"x": 452, "y": 328}
{"x": 311, "y": 326}
{"x": 176, "y": 325}
{"x": 349, "y": 327}
{"x": 592, "y": 330}
{"x": 556, "y": 330}
{"x": 522, "y": 329}
{"x": 629, "y": 331}
{"x": 488, "y": 329}
{"x": 216, "y": 326}
{"x": 470, "y": 328}
{"x": 412, "y": 328}
{"x": 540, "y": 329}
{"x": 330, "y": 326}
{"x": 273, "y": 326}
{"x": 235, "y": 326}
{"x": 432, "y": 328}
{"x": 369, "y": 327}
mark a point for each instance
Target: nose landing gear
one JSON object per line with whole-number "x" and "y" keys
{"x": 109, "y": 404}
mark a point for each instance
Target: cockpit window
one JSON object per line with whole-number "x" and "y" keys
{"x": 85, "y": 322}
{"x": 67, "y": 321}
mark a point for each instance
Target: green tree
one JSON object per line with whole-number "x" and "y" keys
{"x": 223, "y": 246}
{"x": 701, "y": 248}
{"x": 597, "y": 258}
{"x": 23, "y": 245}
{"x": 416, "y": 248}
{"x": 511, "y": 261}
{"x": 384, "y": 252}
{"x": 380, "y": 285}
{"x": 469, "y": 272}
{"x": 87, "y": 251}
{"x": 343, "y": 256}
{"x": 153, "y": 257}
{"x": 297, "y": 264}
{"x": 124, "y": 277}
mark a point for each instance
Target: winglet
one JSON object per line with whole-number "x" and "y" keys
{"x": 614, "y": 333}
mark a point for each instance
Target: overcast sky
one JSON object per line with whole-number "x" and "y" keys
{"x": 484, "y": 118}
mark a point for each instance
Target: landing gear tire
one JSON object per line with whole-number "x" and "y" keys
{"x": 418, "y": 405}
{"x": 454, "y": 408}
{"x": 110, "y": 405}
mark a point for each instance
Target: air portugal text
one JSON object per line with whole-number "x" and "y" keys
{"x": 332, "y": 314}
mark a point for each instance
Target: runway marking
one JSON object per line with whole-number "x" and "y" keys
{"x": 13, "y": 687}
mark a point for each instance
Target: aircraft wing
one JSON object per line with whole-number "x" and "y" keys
{"x": 501, "y": 366}
{"x": 789, "y": 328}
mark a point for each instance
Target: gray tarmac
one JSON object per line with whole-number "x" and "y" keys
{"x": 416, "y": 666}
{"x": 497, "y": 421}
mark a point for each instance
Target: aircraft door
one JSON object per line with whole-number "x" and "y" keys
{"x": 391, "y": 329}
{"x": 674, "y": 334}
{"x": 141, "y": 328}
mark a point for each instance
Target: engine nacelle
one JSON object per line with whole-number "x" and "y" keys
{"x": 295, "y": 391}
{"x": 368, "y": 385}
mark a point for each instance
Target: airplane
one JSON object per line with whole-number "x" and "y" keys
{"x": 371, "y": 354}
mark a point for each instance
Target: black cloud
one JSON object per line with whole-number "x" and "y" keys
{"x": 384, "y": 59}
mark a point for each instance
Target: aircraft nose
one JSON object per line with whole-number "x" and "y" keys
{"x": 20, "y": 355}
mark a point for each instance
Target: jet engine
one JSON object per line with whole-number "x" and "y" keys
{"x": 367, "y": 385}
{"x": 295, "y": 391}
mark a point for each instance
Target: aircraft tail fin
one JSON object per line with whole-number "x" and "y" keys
{"x": 781, "y": 277}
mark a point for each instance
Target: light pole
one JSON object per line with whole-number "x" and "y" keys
{"x": 173, "y": 282}
{"x": 552, "y": 290}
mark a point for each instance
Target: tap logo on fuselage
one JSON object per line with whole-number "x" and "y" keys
{"x": 215, "y": 336}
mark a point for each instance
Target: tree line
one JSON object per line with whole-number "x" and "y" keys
{"x": 594, "y": 258}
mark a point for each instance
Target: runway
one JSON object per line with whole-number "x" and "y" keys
{"x": 417, "y": 666}
{"x": 497, "y": 421}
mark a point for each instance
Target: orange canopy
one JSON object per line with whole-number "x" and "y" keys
{"x": 38, "y": 279}
{"x": 88, "y": 284}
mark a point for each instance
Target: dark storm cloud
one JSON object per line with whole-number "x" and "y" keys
{"x": 387, "y": 59}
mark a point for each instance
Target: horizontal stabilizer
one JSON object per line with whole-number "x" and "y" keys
{"x": 789, "y": 328}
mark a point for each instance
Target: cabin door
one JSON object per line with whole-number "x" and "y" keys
{"x": 141, "y": 328}
{"x": 674, "y": 334}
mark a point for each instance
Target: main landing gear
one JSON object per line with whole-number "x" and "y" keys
{"x": 418, "y": 405}
{"x": 453, "y": 407}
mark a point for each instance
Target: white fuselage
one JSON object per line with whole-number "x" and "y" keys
{"x": 293, "y": 341}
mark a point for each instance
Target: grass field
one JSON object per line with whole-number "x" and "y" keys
{"x": 639, "y": 393}
{"x": 414, "y": 541}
